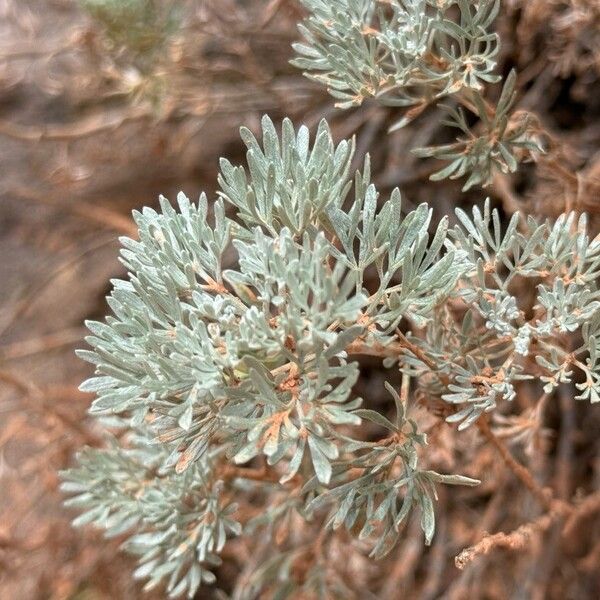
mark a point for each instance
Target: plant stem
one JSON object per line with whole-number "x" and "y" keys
{"x": 517, "y": 468}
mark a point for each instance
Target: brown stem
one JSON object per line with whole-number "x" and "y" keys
{"x": 517, "y": 468}
{"x": 361, "y": 348}
{"x": 75, "y": 131}
{"x": 98, "y": 214}
{"x": 254, "y": 474}
{"x": 582, "y": 512}
{"x": 234, "y": 472}
{"x": 553, "y": 163}
{"x": 36, "y": 400}
{"x": 519, "y": 539}
{"x": 40, "y": 344}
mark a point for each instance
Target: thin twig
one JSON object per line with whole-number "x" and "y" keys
{"x": 583, "y": 511}
{"x": 261, "y": 474}
{"x": 44, "y": 343}
{"x": 519, "y": 539}
{"x": 106, "y": 217}
{"x": 36, "y": 399}
{"x": 517, "y": 468}
{"x": 34, "y": 292}
{"x": 73, "y": 131}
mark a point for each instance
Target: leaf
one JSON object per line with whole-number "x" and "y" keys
{"x": 377, "y": 418}
{"x": 427, "y": 518}
{"x": 248, "y": 452}
{"x": 344, "y": 338}
{"x": 320, "y": 462}
{"x": 450, "y": 479}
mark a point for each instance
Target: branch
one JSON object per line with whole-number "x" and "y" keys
{"x": 519, "y": 539}
{"x": 517, "y": 468}
{"x": 261, "y": 474}
{"x": 104, "y": 216}
{"x": 74, "y": 131}
{"x": 43, "y": 343}
{"x": 588, "y": 507}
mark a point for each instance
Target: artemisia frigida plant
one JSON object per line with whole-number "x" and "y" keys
{"x": 225, "y": 376}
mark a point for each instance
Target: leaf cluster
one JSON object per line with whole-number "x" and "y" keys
{"x": 233, "y": 343}
{"x": 412, "y": 54}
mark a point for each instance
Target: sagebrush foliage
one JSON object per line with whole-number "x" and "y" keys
{"x": 412, "y": 54}
{"x": 234, "y": 339}
{"x": 225, "y": 377}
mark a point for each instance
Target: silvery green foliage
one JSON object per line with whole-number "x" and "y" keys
{"x": 373, "y": 499}
{"x": 252, "y": 359}
{"x": 499, "y": 336}
{"x": 234, "y": 341}
{"x": 411, "y": 54}
{"x": 289, "y": 183}
{"x": 180, "y": 522}
{"x": 494, "y": 148}
{"x": 210, "y": 361}
{"x": 397, "y": 50}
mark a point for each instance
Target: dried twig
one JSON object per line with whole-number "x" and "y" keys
{"x": 40, "y": 344}
{"x": 518, "y": 469}
{"x": 519, "y": 539}
{"x": 35, "y": 290}
{"x": 106, "y": 217}
{"x": 73, "y": 131}
{"x": 581, "y": 512}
